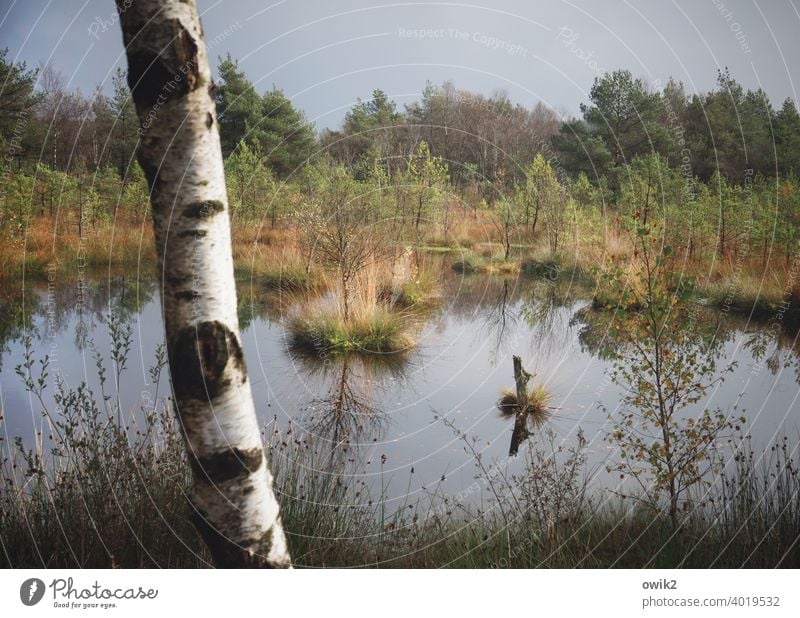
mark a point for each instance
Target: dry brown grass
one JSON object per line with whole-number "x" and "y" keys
{"x": 539, "y": 399}
{"x": 50, "y": 246}
{"x": 375, "y": 323}
{"x": 276, "y": 257}
{"x": 273, "y": 257}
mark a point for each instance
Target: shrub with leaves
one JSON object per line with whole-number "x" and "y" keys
{"x": 666, "y": 363}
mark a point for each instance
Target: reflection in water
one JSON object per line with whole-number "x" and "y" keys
{"x": 81, "y": 305}
{"x": 527, "y": 422}
{"x": 458, "y": 370}
{"x": 776, "y": 347}
{"x": 508, "y": 307}
{"x": 529, "y": 409}
{"x": 17, "y": 309}
{"x": 346, "y": 414}
{"x": 258, "y": 300}
{"x": 544, "y": 315}
{"x": 500, "y": 316}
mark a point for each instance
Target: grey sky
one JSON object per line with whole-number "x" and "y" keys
{"x": 325, "y": 54}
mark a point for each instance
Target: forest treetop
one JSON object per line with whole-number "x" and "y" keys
{"x": 729, "y": 130}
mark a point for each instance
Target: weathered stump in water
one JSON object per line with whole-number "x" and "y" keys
{"x": 520, "y": 433}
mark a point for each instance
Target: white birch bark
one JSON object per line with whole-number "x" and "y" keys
{"x": 234, "y": 507}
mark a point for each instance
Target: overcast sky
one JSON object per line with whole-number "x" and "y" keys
{"x": 326, "y": 53}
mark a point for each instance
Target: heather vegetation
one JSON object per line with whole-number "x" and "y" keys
{"x": 713, "y": 173}
{"x": 656, "y": 203}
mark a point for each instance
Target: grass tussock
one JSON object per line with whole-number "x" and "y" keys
{"x": 539, "y": 399}
{"x": 556, "y": 269}
{"x": 376, "y": 314}
{"x": 379, "y": 331}
{"x": 750, "y": 289}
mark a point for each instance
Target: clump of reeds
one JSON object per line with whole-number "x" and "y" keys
{"x": 374, "y": 315}
{"x": 487, "y": 263}
{"x": 539, "y": 398}
{"x": 377, "y": 331}
{"x": 369, "y": 321}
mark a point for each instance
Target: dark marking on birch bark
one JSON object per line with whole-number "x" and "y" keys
{"x": 187, "y": 295}
{"x": 228, "y": 465}
{"x": 150, "y": 171}
{"x": 175, "y": 281}
{"x": 209, "y": 120}
{"x": 192, "y": 233}
{"x": 203, "y": 210}
{"x": 157, "y": 76}
{"x": 228, "y": 555}
{"x": 199, "y": 357}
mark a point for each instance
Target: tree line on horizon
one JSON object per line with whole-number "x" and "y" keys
{"x": 727, "y": 129}
{"x": 725, "y": 159}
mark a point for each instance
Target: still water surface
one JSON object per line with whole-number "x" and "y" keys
{"x": 393, "y": 421}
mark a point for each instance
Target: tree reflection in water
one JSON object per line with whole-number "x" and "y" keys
{"x": 347, "y": 414}
{"x": 89, "y": 302}
{"x": 507, "y": 306}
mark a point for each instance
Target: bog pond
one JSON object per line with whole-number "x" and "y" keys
{"x": 406, "y": 426}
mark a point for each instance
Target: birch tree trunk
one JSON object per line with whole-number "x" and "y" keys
{"x": 233, "y": 504}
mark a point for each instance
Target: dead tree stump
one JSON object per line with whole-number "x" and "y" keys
{"x": 520, "y": 433}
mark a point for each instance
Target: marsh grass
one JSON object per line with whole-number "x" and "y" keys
{"x": 99, "y": 487}
{"x": 750, "y": 290}
{"x": 275, "y": 258}
{"x": 378, "y": 331}
{"x": 539, "y": 398}
{"x": 48, "y": 246}
{"x": 385, "y": 301}
{"x": 93, "y": 492}
{"x": 557, "y": 269}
